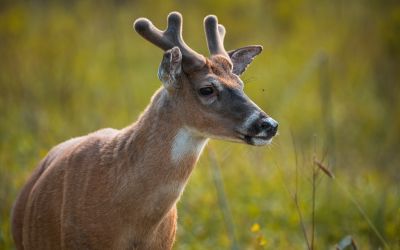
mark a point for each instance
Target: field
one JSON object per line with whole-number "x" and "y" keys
{"x": 329, "y": 73}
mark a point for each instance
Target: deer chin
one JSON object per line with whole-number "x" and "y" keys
{"x": 256, "y": 140}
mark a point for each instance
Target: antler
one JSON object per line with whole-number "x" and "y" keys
{"x": 170, "y": 38}
{"x": 215, "y": 34}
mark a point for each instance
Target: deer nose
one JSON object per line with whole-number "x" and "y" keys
{"x": 269, "y": 125}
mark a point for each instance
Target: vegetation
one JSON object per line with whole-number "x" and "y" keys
{"x": 329, "y": 74}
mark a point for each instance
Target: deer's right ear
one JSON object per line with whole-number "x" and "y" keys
{"x": 170, "y": 68}
{"x": 242, "y": 57}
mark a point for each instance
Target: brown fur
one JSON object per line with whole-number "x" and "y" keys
{"x": 118, "y": 189}
{"x": 96, "y": 191}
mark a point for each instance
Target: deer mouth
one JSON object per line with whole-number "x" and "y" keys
{"x": 255, "y": 139}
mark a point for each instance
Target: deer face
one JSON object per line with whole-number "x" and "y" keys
{"x": 212, "y": 102}
{"x": 209, "y": 92}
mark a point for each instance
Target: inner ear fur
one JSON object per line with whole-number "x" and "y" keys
{"x": 242, "y": 57}
{"x": 170, "y": 69}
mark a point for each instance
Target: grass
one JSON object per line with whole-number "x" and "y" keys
{"x": 328, "y": 71}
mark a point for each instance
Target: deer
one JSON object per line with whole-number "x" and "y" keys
{"x": 118, "y": 189}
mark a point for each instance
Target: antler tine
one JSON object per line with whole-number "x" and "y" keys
{"x": 147, "y": 30}
{"x": 169, "y": 38}
{"x": 215, "y": 34}
{"x": 222, "y": 32}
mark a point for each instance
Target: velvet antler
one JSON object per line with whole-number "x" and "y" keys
{"x": 170, "y": 38}
{"x": 215, "y": 34}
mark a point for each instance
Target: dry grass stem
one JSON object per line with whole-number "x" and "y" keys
{"x": 324, "y": 169}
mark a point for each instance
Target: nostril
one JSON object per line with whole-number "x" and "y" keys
{"x": 269, "y": 125}
{"x": 266, "y": 125}
{"x": 275, "y": 128}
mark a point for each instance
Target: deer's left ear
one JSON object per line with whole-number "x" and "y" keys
{"x": 242, "y": 57}
{"x": 170, "y": 68}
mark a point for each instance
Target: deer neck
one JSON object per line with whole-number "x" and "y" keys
{"x": 161, "y": 151}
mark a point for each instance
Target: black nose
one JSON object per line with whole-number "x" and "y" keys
{"x": 269, "y": 125}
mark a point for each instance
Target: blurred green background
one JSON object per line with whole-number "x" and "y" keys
{"x": 329, "y": 74}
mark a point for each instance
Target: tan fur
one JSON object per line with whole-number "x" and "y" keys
{"x": 106, "y": 190}
{"x": 112, "y": 189}
{"x": 118, "y": 189}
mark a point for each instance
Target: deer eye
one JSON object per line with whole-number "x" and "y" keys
{"x": 206, "y": 91}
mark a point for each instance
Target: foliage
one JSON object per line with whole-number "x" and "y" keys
{"x": 329, "y": 70}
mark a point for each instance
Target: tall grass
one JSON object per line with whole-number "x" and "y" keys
{"x": 329, "y": 68}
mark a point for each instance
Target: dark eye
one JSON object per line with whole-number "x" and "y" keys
{"x": 206, "y": 91}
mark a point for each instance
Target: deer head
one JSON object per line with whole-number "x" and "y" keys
{"x": 208, "y": 92}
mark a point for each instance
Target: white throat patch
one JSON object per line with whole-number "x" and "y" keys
{"x": 186, "y": 143}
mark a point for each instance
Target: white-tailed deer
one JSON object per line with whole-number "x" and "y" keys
{"x": 118, "y": 189}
